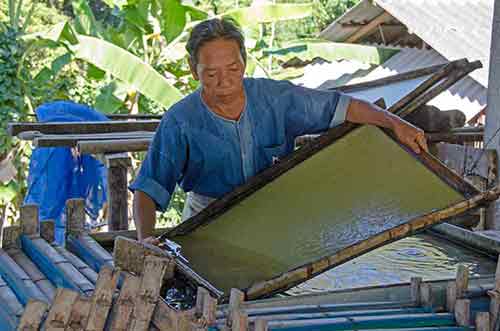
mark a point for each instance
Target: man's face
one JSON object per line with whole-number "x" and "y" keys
{"x": 220, "y": 69}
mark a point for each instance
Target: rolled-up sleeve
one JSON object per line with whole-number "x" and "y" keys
{"x": 311, "y": 111}
{"x": 162, "y": 167}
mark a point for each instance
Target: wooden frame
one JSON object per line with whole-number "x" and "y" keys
{"x": 427, "y": 90}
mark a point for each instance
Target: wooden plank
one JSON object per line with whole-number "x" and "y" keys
{"x": 427, "y": 71}
{"x": 102, "y": 298}
{"x": 78, "y": 264}
{"x": 89, "y": 251}
{"x": 482, "y": 321}
{"x": 75, "y": 216}
{"x": 462, "y": 280}
{"x": 60, "y": 312}
{"x": 166, "y": 318}
{"x": 451, "y": 296}
{"x": 462, "y": 312}
{"x": 415, "y": 283}
{"x": 47, "y": 230}
{"x": 124, "y": 306}
{"x": 494, "y": 309}
{"x": 29, "y": 220}
{"x": 67, "y": 140}
{"x": 201, "y": 293}
{"x": 260, "y": 325}
{"x": 79, "y": 314}
{"x": 149, "y": 290}
{"x": 236, "y": 299}
{"x": 113, "y": 146}
{"x": 90, "y": 127}
{"x": 33, "y": 315}
{"x": 10, "y": 236}
{"x": 130, "y": 255}
{"x": 118, "y": 190}
{"x": 18, "y": 280}
{"x": 33, "y": 272}
{"x": 426, "y": 298}
{"x": 369, "y": 28}
{"x": 59, "y": 270}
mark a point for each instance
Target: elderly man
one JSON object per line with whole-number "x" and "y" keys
{"x": 233, "y": 127}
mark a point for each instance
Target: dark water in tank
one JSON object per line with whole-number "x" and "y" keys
{"x": 422, "y": 255}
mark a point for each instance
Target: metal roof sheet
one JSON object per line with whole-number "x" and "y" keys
{"x": 454, "y": 28}
{"x": 466, "y": 95}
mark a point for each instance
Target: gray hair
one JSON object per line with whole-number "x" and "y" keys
{"x": 225, "y": 28}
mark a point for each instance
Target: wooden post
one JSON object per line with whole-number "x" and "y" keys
{"x": 102, "y": 298}
{"x": 149, "y": 290}
{"x": 494, "y": 309}
{"x": 236, "y": 299}
{"x": 462, "y": 312}
{"x": 125, "y": 304}
{"x": 32, "y": 315}
{"x": 79, "y": 314}
{"x": 75, "y": 217}
{"x": 483, "y": 321}
{"x": 10, "y": 235}
{"x": 426, "y": 298}
{"x": 415, "y": 283}
{"x": 462, "y": 280}
{"x": 29, "y": 220}
{"x": 47, "y": 230}
{"x": 493, "y": 113}
{"x": 261, "y": 325}
{"x": 200, "y": 301}
{"x": 60, "y": 311}
{"x": 117, "y": 165}
{"x": 451, "y": 296}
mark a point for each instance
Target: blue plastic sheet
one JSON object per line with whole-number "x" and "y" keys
{"x": 57, "y": 174}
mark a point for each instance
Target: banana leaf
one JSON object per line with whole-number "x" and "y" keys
{"x": 269, "y": 13}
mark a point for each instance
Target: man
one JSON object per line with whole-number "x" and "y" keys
{"x": 231, "y": 128}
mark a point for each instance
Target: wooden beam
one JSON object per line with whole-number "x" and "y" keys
{"x": 79, "y": 314}
{"x": 451, "y": 296}
{"x": 32, "y": 316}
{"x": 10, "y": 236}
{"x": 117, "y": 165}
{"x": 113, "y": 146}
{"x": 75, "y": 217}
{"x": 47, "y": 230}
{"x": 483, "y": 321}
{"x": 72, "y": 140}
{"x": 89, "y": 127}
{"x": 102, "y": 298}
{"x": 29, "y": 220}
{"x": 236, "y": 300}
{"x": 426, "y": 298}
{"x": 415, "y": 295}
{"x": 124, "y": 306}
{"x": 149, "y": 290}
{"x": 462, "y": 280}
{"x": 462, "y": 312}
{"x": 369, "y": 28}
{"x": 60, "y": 312}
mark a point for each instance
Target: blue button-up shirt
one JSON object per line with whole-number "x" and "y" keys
{"x": 209, "y": 155}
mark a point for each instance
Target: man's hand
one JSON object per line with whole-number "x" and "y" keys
{"x": 410, "y": 136}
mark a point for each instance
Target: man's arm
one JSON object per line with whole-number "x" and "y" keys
{"x": 366, "y": 113}
{"x": 144, "y": 215}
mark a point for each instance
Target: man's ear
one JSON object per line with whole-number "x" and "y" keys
{"x": 192, "y": 68}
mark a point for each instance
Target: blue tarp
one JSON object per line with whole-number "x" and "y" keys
{"x": 57, "y": 174}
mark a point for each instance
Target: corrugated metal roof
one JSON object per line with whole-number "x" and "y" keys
{"x": 466, "y": 95}
{"x": 454, "y": 28}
